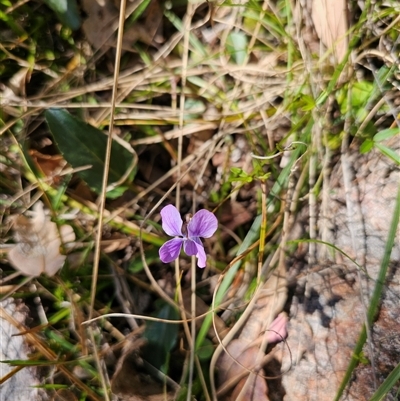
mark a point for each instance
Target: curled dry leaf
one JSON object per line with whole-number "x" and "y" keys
{"x": 65, "y": 395}
{"x": 50, "y": 166}
{"x": 233, "y": 372}
{"x": 234, "y": 215}
{"x": 99, "y": 25}
{"x": 256, "y": 390}
{"x": 38, "y": 242}
{"x": 243, "y": 357}
{"x": 330, "y": 21}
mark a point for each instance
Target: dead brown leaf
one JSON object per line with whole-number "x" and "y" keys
{"x": 114, "y": 242}
{"x": 232, "y": 368}
{"x": 98, "y": 27}
{"x": 19, "y": 80}
{"x": 257, "y": 391}
{"x": 234, "y": 215}
{"x": 242, "y": 357}
{"x": 240, "y": 367}
{"x": 102, "y": 23}
{"x": 64, "y": 395}
{"x": 148, "y": 31}
{"x": 330, "y": 21}
{"x": 38, "y": 243}
{"x": 49, "y": 165}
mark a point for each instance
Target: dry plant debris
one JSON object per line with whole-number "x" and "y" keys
{"x": 330, "y": 20}
{"x": 38, "y": 243}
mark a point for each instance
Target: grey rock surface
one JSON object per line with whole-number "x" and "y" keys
{"x": 330, "y": 299}
{"x": 20, "y": 386}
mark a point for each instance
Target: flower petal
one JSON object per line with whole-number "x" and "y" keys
{"x": 202, "y": 224}
{"x": 190, "y": 247}
{"x": 201, "y": 255}
{"x": 277, "y": 331}
{"x": 194, "y": 246}
{"x": 171, "y": 221}
{"x": 170, "y": 250}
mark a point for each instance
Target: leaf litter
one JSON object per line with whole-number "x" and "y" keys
{"x": 38, "y": 243}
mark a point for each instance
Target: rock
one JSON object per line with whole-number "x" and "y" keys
{"x": 327, "y": 312}
{"x": 20, "y": 386}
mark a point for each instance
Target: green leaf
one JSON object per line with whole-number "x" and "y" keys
{"x": 194, "y": 108}
{"x": 67, "y": 12}
{"x": 361, "y": 93}
{"x": 161, "y": 338}
{"x": 366, "y": 146}
{"x": 238, "y": 175}
{"x": 236, "y": 170}
{"x": 308, "y": 103}
{"x": 386, "y": 134}
{"x": 390, "y": 153}
{"x": 205, "y": 351}
{"x": 237, "y": 46}
{"x": 52, "y": 386}
{"x": 117, "y": 192}
{"x": 82, "y": 144}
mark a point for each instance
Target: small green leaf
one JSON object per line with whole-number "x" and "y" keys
{"x": 308, "y": 103}
{"x": 139, "y": 11}
{"x": 82, "y": 144}
{"x": 161, "y": 338}
{"x": 237, "y": 174}
{"x": 264, "y": 177}
{"x": 194, "y": 108}
{"x": 237, "y": 46}
{"x": 205, "y": 351}
{"x": 386, "y": 134}
{"x": 67, "y": 12}
{"x": 236, "y": 170}
{"x": 389, "y": 153}
{"x": 53, "y": 386}
{"x": 117, "y": 192}
{"x": 366, "y": 146}
{"x": 361, "y": 93}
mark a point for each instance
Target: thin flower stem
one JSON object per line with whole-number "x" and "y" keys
{"x": 186, "y": 33}
{"x": 192, "y": 325}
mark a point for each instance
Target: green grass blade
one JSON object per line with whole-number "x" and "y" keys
{"x": 387, "y": 385}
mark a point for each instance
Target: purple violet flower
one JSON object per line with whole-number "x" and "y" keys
{"x": 202, "y": 224}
